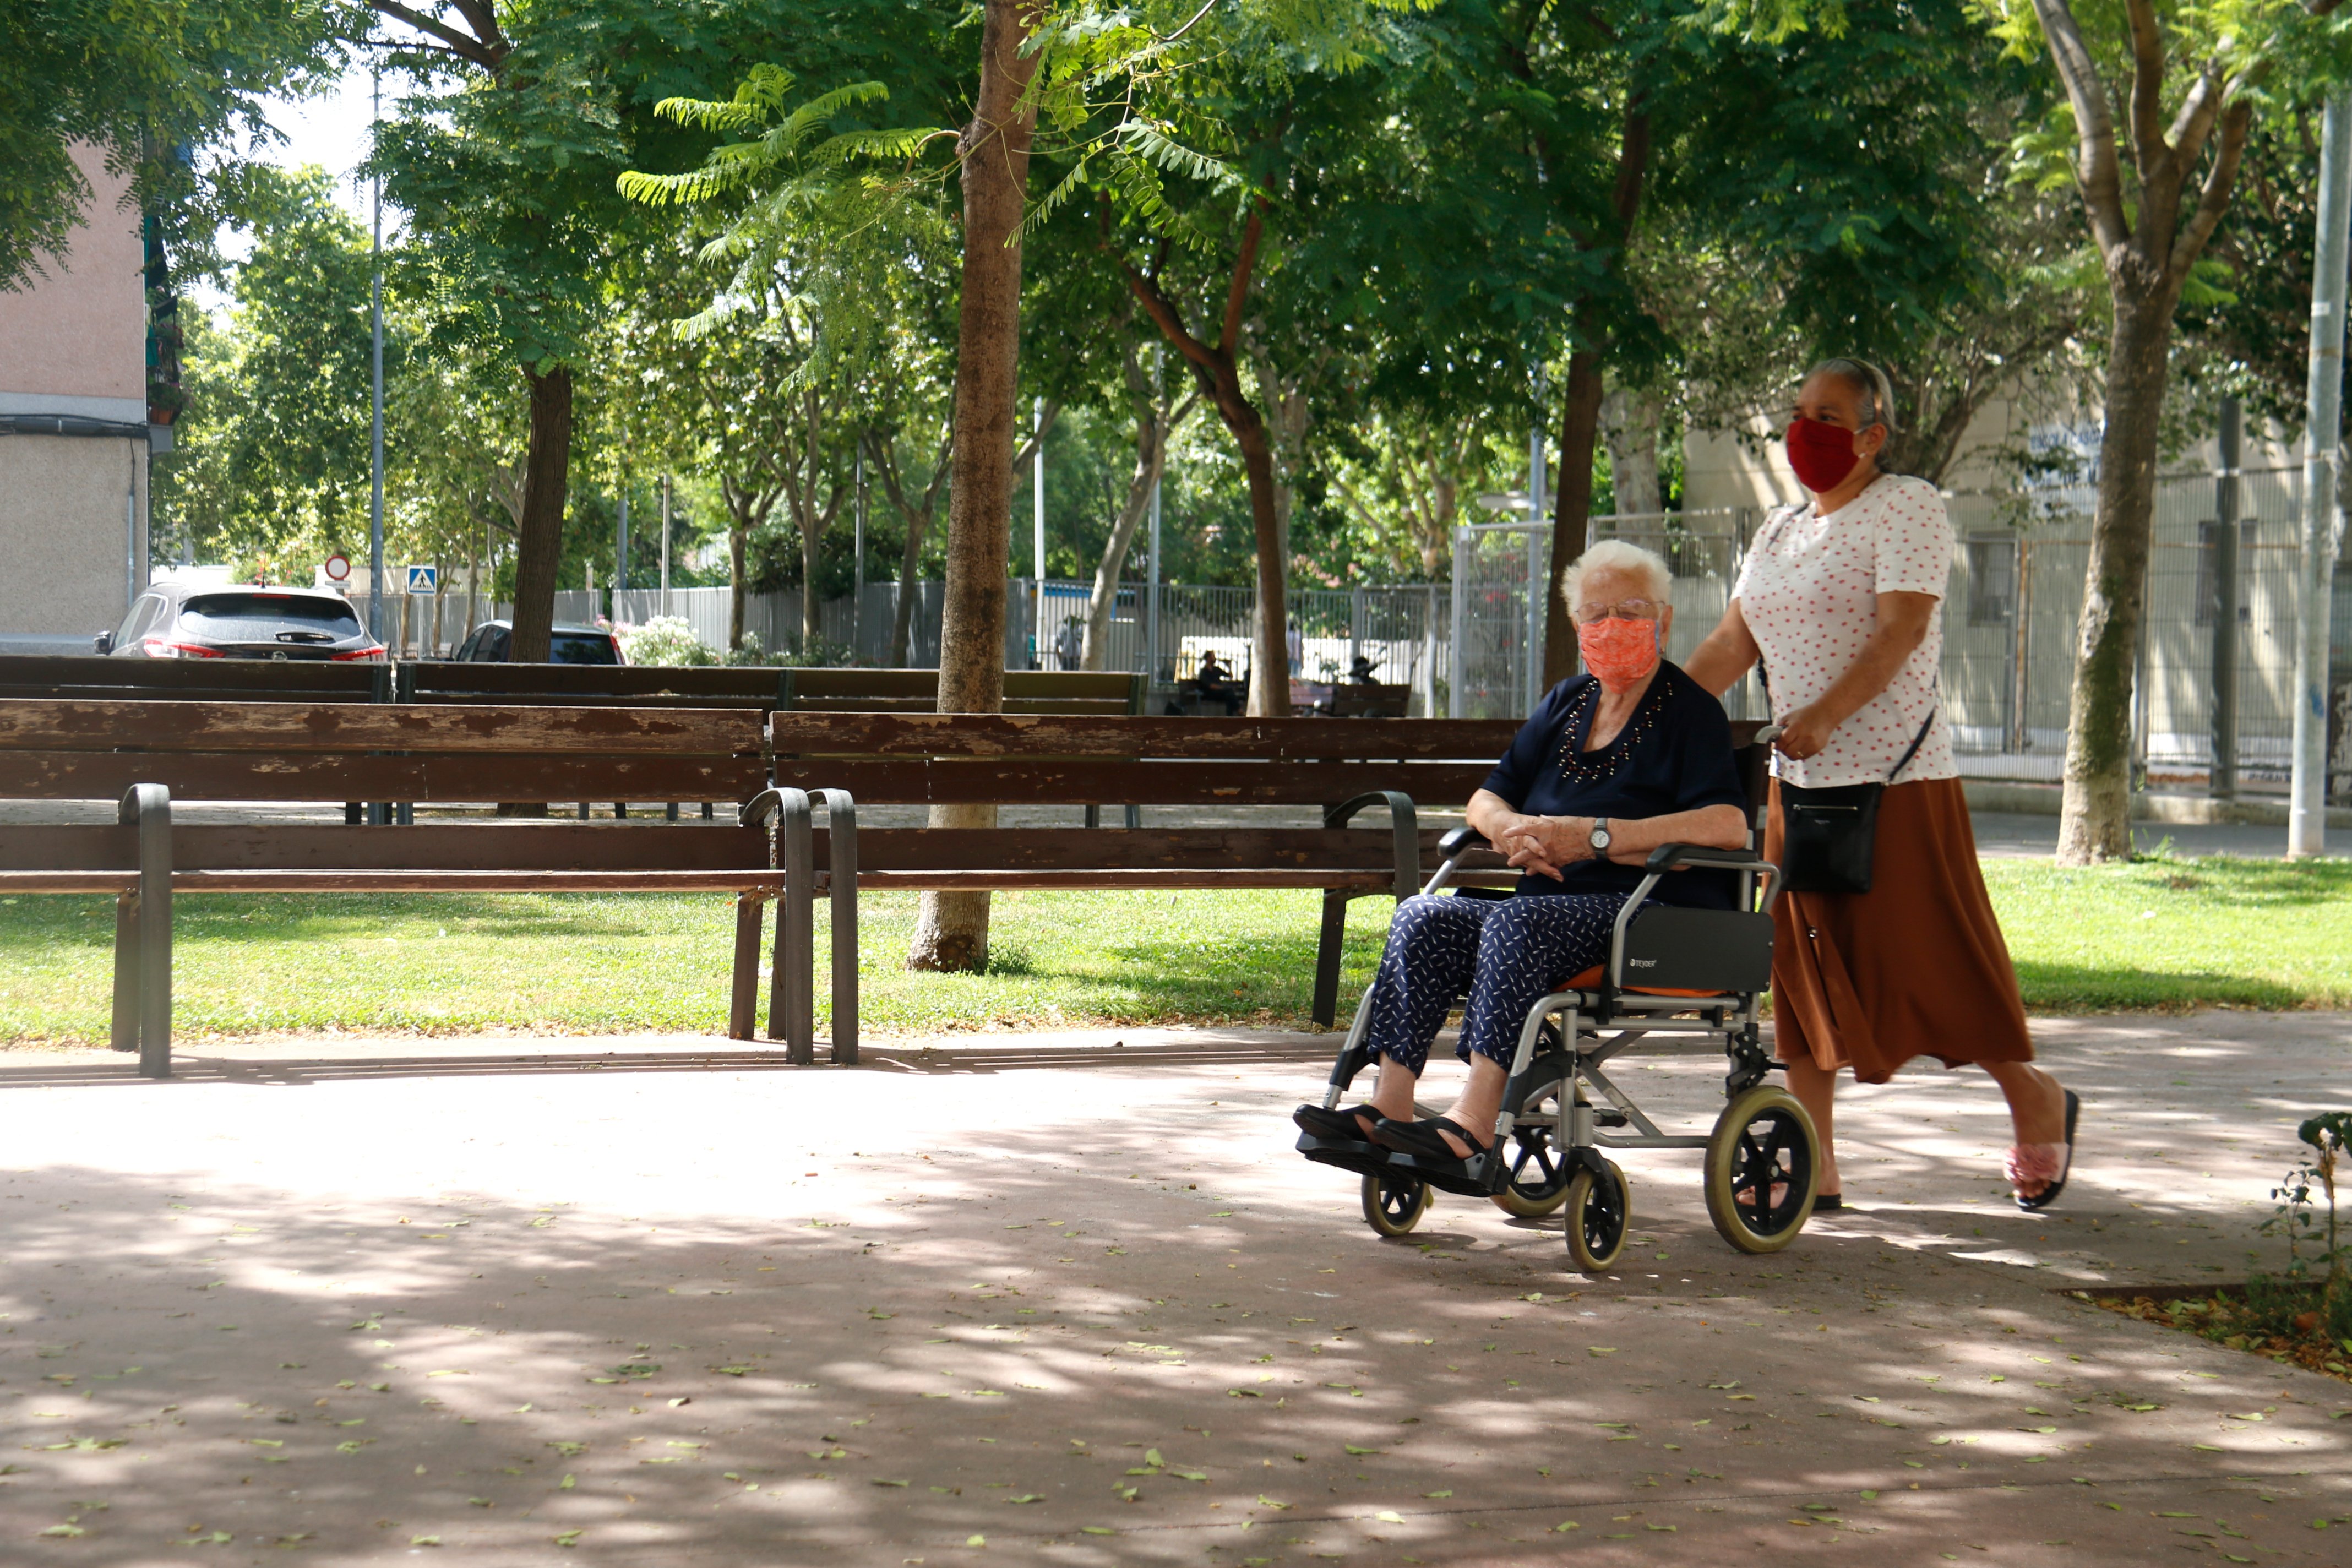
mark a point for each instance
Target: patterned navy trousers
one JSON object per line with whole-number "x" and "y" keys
{"x": 1504, "y": 952}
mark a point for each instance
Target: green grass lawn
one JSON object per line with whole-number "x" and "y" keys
{"x": 2167, "y": 934}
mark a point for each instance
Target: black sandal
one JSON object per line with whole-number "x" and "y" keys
{"x": 1827, "y": 1203}
{"x": 1421, "y": 1140}
{"x": 2049, "y": 1195}
{"x": 1318, "y": 1122}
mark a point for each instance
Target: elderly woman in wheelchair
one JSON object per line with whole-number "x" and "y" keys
{"x": 1621, "y": 798}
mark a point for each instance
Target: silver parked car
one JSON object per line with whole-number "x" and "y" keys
{"x": 206, "y": 620}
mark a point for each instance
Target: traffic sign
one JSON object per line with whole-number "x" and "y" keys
{"x": 421, "y": 579}
{"x": 339, "y": 568}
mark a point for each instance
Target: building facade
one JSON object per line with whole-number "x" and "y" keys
{"x": 75, "y": 432}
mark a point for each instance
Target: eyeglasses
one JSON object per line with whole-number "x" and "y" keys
{"x": 1622, "y": 610}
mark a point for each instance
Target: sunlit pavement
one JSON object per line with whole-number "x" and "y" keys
{"x": 1031, "y": 1298}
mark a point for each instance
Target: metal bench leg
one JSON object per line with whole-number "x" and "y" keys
{"x": 583, "y": 811}
{"x": 672, "y": 813}
{"x": 351, "y": 811}
{"x": 791, "y": 1007}
{"x": 149, "y": 806}
{"x": 620, "y": 810}
{"x": 1327, "y": 957}
{"x": 841, "y": 841}
{"x": 1134, "y": 817}
{"x": 126, "y": 971}
{"x": 708, "y": 811}
{"x": 404, "y": 813}
{"x": 743, "y": 998}
{"x": 1093, "y": 816}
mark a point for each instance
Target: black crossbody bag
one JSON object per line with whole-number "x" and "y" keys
{"x": 1828, "y": 835}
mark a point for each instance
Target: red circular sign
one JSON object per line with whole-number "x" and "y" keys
{"x": 339, "y": 568}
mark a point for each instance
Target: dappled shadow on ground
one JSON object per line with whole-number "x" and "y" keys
{"x": 856, "y": 1317}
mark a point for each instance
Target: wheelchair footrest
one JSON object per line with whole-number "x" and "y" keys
{"x": 1344, "y": 1153}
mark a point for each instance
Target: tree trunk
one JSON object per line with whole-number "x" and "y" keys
{"x": 539, "y": 548}
{"x": 1629, "y": 426}
{"x": 902, "y": 614}
{"x": 1572, "y": 517}
{"x": 1269, "y": 693}
{"x": 2094, "y": 822}
{"x": 1153, "y": 426}
{"x": 951, "y": 929}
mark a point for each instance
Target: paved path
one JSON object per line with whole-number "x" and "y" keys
{"x": 1050, "y": 1299}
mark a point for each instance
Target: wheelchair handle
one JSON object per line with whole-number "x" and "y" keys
{"x": 1769, "y": 733}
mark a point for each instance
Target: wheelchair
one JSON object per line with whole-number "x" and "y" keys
{"x": 1679, "y": 982}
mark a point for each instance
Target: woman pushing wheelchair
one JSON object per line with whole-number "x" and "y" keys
{"x": 1612, "y": 765}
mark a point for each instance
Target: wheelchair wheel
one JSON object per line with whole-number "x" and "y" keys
{"x": 1538, "y": 1182}
{"x": 1599, "y": 1217}
{"x": 1763, "y": 1162}
{"x": 1394, "y": 1203}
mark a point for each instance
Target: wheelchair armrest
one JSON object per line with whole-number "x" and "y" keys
{"x": 1460, "y": 839}
{"x": 1666, "y": 857}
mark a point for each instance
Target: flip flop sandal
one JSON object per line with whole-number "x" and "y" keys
{"x": 1318, "y": 1122}
{"x": 2047, "y": 1163}
{"x": 1421, "y": 1140}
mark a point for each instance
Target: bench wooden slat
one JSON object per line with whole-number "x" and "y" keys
{"x": 427, "y": 881}
{"x": 210, "y": 776}
{"x": 30, "y": 724}
{"x": 1112, "y": 878}
{"x": 1024, "y": 736}
{"x": 89, "y": 676}
{"x": 500, "y": 845}
{"x": 641, "y": 685}
{"x": 1127, "y": 783}
{"x": 1187, "y": 851}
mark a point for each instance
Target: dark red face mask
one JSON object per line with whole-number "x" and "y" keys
{"x": 1822, "y": 453}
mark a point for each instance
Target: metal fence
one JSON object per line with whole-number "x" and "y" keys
{"x": 2009, "y": 613}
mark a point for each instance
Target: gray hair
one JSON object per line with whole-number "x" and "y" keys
{"x": 1621, "y": 555}
{"x": 1869, "y": 383}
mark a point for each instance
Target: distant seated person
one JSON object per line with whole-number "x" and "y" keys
{"x": 1360, "y": 670}
{"x": 1612, "y": 764}
{"x": 1216, "y": 683}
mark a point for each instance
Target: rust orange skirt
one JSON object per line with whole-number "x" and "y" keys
{"x": 1915, "y": 967}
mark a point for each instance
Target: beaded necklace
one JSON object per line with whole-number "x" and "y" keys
{"x": 1583, "y": 767}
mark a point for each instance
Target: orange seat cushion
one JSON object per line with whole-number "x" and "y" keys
{"x": 1590, "y": 979}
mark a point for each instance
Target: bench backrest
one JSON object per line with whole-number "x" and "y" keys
{"x": 1106, "y": 692}
{"x": 380, "y": 752}
{"x": 591, "y": 685}
{"x": 1350, "y": 701}
{"x": 1014, "y": 759}
{"x": 196, "y": 679}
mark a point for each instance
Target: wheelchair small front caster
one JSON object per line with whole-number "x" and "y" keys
{"x": 1763, "y": 1164}
{"x": 1599, "y": 1216}
{"x": 1394, "y": 1202}
{"x": 1538, "y": 1182}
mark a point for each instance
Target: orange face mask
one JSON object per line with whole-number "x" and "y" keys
{"x": 1621, "y": 653}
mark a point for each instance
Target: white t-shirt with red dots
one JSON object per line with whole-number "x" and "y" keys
{"x": 1808, "y": 591}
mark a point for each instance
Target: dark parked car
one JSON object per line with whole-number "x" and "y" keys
{"x": 492, "y": 642}
{"x": 204, "y": 620}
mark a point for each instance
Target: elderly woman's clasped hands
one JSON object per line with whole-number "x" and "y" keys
{"x": 1545, "y": 844}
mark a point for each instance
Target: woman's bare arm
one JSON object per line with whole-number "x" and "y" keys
{"x": 1903, "y": 623}
{"x": 1728, "y": 652}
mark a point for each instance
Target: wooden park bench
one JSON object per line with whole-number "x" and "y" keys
{"x": 765, "y": 689}
{"x": 937, "y": 759}
{"x": 149, "y": 753}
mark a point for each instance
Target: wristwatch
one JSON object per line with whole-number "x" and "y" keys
{"x": 1601, "y": 838}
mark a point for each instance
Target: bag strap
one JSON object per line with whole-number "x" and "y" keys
{"x": 1918, "y": 740}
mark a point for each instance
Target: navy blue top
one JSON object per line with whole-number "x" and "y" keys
{"x": 1674, "y": 754}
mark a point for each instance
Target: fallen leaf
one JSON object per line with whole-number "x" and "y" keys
{"x": 567, "y": 1538}
{"x": 1389, "y": 1516}
{"x": 424, "y": 1541}
{"x": 65, "y": 1530}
